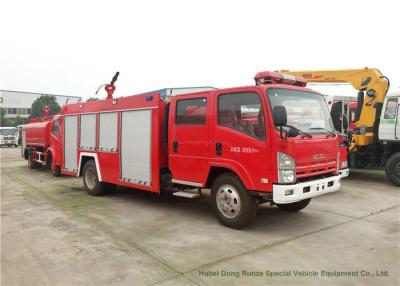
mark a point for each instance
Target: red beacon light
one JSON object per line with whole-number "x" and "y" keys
{"x": 267, "y": 77}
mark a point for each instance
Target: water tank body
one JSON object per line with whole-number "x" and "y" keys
{"x": 38, "y": 133}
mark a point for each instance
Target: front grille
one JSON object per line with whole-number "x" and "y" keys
{"x": 315, "y": 168}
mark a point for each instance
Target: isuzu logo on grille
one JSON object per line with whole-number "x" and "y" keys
{"x": 318, "y": 156}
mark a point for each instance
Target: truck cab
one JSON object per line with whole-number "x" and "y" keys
{"x": 8, "y": 136}
{"x": 389, "y": 125}
{"x": 274, "y": 142}
{"x": 389, "y": 137}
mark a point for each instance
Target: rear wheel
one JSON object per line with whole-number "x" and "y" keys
{"x": 232, "y": 203}
{"x": 294, "y": 207}
{"x": 91, "y": 180}
{"x": 392, "y": 169}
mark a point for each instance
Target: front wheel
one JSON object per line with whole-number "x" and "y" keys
{"x": 31, "y": 163}
{"x": 91, "y": 180}
{"x": 232, "y": 203}
{"x": 392, "y": 169}
{"x": 294, "y": 207}
{"x": 57, "y": 171}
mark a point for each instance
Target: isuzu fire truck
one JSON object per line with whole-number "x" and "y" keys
{"x": 273, "y": 142}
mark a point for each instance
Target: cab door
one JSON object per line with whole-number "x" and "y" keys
{"x": 240, "y": 140}
{"x": 55, "y": 142}
{"x": 389, "y": 127}
{"x": 188, "y": 140}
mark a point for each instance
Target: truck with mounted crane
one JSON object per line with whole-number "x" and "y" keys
{"x": 375, "y": 138}
{"x": 239, "y": 142}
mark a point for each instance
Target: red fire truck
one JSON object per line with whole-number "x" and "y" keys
{"x": 40, "y": 144}
{"x": 273, "y": 142}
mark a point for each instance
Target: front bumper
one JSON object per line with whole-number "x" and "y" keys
{"x": 344, "y": 173}
{"x": 306, "y": 190}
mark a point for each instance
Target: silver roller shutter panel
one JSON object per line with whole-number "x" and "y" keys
{"x": 70, "y": 143}
{"x": 108, "y": 131}
{"x": 136, "y": 147}
{"x": 88, "y": 132}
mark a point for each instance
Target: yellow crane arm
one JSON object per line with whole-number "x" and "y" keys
{"x": 372, "y": 87}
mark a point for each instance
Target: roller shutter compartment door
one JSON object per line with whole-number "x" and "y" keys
{"x": 108, "y": 131}
{"x": 136, "y": 147}
{"x": 70, "y": 143}
{"x": 88, "y": 132}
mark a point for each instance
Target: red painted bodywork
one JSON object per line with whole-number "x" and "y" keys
{"x": 253, "y": 160}
{"x": 257, "y": 159}
{"x": 39, "y": 138}
{"x": 110, "y": 161}
{"x": 38, "y": 133}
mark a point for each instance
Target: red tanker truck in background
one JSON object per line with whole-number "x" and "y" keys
{"x": 273, "y": 142}
{"x": 40, "y": 144}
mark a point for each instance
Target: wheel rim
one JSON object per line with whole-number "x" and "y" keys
{"x": 397, "y": 169}
{"x": 91, "y": 177}
{"x": 228, "y": 201}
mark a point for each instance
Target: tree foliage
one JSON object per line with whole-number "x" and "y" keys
{"x": 41, "y": 102}
{"x": 10, "y": 122}
{"x": 92, "y": 99}
{"x": 19, "y": 121}
{"x": 4, "y": 122}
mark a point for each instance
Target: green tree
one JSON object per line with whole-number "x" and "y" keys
{"x": 4, "y": 122}
{"x": 92, "y": 99}
{"x": 41, "y": 102}
{"x": 19, "y": 121}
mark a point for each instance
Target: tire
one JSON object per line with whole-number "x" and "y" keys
{"x": 232, "y": 203}
{"x": 91, "y": 180}
{"x": 32, "y": 164}
{"x": 110, "y": 187}
{"x": 49, "y": 161}
{"x": 294, "y": 207}
{"x": 392, "y": 169}
{"x": 57, "y": 171}
{"x": 166, "y": 186}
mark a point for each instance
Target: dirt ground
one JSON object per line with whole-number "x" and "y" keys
{"x": 53, "y": 233}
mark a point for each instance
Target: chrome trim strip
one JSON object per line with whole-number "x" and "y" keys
{"x": 194, "y": 184}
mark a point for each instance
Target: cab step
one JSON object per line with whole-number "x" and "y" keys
{"x": 187, "y": 194}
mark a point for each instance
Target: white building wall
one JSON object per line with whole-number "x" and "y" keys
{"x": 22, "y": 101}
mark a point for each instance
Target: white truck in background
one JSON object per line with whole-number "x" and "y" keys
{"x": 9, "y": 136}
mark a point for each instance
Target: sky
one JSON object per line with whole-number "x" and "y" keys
{"x": 72, "y": 47}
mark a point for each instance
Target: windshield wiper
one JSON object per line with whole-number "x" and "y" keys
{"x": 300, "y": 131}
{"x": 321, "y": 128}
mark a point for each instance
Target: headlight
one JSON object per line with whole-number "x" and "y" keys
{"x": 285, "y": 162}
{"x": 286, "y": 176}
{"x": 286, "y": 169}
{"x": 344, "y": 165}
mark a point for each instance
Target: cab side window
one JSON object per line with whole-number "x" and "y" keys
{"x": 242, "y": 112}
{"x": 54, "y": 129}
{"x": 391, "y": 107}
{"x": 191, "y": 111}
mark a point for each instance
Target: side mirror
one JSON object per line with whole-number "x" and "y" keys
{"x": 279, "y": 116}
{"x": 293, "y": 132}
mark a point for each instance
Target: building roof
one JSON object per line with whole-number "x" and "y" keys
{"x": 39, "y": 93}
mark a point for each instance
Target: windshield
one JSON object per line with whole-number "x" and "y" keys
{"x": 8, "y": 131}
{"x": 306, "y": 111}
